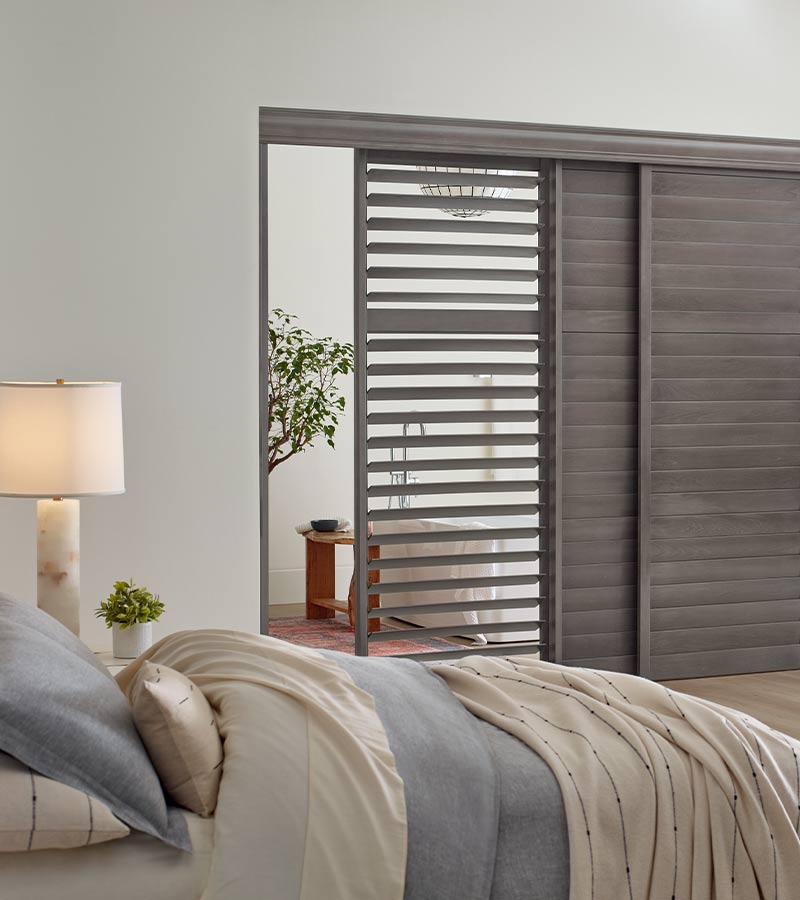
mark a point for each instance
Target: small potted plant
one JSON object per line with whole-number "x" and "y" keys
{"x": 130, "y": 612}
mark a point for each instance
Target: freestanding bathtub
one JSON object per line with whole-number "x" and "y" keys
{"x": 493, "y": 617}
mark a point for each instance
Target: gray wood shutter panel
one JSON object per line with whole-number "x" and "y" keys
{"x": 448, "y": 336}
{"x": 600, "y": 433}
{"x": 723, "y": 300}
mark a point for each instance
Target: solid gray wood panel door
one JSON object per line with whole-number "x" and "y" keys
{"x": 599, "y": 295}
{"x": 720, "y": 443}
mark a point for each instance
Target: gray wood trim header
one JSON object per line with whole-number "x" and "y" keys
{"x": 424, "y": 133}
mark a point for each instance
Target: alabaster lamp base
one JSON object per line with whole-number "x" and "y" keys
{"x": 59, "y": 560}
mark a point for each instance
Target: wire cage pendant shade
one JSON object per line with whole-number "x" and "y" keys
{"x": 464, "y": 190}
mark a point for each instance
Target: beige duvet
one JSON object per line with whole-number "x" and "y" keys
{"x": 310, "y": 805}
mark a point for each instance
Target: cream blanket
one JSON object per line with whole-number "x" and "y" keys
{"x": 310, "y": 803}
{"x": 667, "y": 797}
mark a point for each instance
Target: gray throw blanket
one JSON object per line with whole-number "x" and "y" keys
{"x": 485, "y": 815}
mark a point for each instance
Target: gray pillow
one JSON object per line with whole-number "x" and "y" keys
{"x": 63, "y": 715}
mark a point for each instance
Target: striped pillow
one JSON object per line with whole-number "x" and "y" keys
{"x": 37, "y": 813}
{"x": 179, "y": 729}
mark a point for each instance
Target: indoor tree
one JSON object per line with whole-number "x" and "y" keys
{"x": 305, "y": 400}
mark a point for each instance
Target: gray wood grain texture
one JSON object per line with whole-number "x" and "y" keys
{"x": 726, "y": 662}
{"x": 393, "y": 135}
{"x": 590, "y": 530}
{"x": 520, "y": 415}
{"x": 461, "y": 298}
{"x": 747, "y": 590}
{"x": 410, "y": 248}
{"x": 725, "y": 402}
{"x": 551, "y": 356}
{"x": 726, "y": 547}
{"x": 693, "y": 527}
{"x": 645, "y": 470}
{"x": 382, "y": 175}
{"x": 720, "y": 615}
{"x": 727, "y": 389}
{"x": 727, "y": 435}
{"x": 432, "y": 273}
{"x": 448, "y": 464}
{"x": 455, "y": 226}
{"x": 400, "y": 154}
{"x": 452, "y": 321}
{"x": 607, "y": 390}
{"x": 458, "y": 535}
{"x": 729, "y": 300}
{"x": 454, "y": 512}
{"x": 600, "y": 414}
{"x": 725, "y": 457}
{"x": 360, "y": 478}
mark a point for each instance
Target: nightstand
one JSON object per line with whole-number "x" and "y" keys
{"x": 113, "y": 663}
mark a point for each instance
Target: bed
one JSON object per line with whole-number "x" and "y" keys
{"x": 487, "y": 779}
{"x": 302, "y": 808}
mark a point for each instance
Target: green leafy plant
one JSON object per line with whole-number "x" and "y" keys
{"x": 305, "y": 401}
{"x": 129, "y": 605}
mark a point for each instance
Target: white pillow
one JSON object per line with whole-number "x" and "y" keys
{"x": 37, "y": 813}
{"x": 179, "y": 730}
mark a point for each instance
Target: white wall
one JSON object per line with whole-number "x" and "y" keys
{"x": 128, "y": 208}
{"x": 311, "y": 276}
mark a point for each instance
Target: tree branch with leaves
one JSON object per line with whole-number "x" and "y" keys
{"x": 305, "y": 400}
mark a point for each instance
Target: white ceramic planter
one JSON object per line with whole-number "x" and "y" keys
{"x": 132, "y": 642}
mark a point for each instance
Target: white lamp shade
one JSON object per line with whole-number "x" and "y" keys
{"x": 61, "y": 440}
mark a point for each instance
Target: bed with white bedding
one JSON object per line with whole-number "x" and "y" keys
{"x": 490, "y": 779}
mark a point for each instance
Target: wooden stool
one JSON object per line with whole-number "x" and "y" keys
{"x": 321, "y": 602}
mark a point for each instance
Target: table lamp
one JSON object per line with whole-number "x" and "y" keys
{"x": 58, "y": 442}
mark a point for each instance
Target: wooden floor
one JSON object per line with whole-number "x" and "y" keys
{"x": 772, "y": 697}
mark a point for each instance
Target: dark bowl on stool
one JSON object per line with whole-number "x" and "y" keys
{"x": 324, "y": 524}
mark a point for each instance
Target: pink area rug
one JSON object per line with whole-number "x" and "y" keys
{"x": 336, "y": 634}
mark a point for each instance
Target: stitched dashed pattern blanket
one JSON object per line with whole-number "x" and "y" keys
{"x": 667, "y": 797}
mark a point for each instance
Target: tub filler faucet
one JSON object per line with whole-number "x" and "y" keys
{"x": 403, "y": 477}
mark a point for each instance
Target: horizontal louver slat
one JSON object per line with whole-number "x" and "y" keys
{"x": 449, "y": 321}
{"x": 414, "y": 201}
{"x": 456, "y": 606}
{"x": 462, "y": 534}
{"x": 456, "y": 559}
{"x": 454, "y": 487}
{"x": 454, "y": 226}
{"x": 427, "y": 176}
{"x": 521, "y": 251}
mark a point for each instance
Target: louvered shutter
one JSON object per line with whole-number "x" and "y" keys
{"x": 449, "y": 500}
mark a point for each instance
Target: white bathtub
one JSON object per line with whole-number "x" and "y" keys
{"x": 493, "y": 617}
